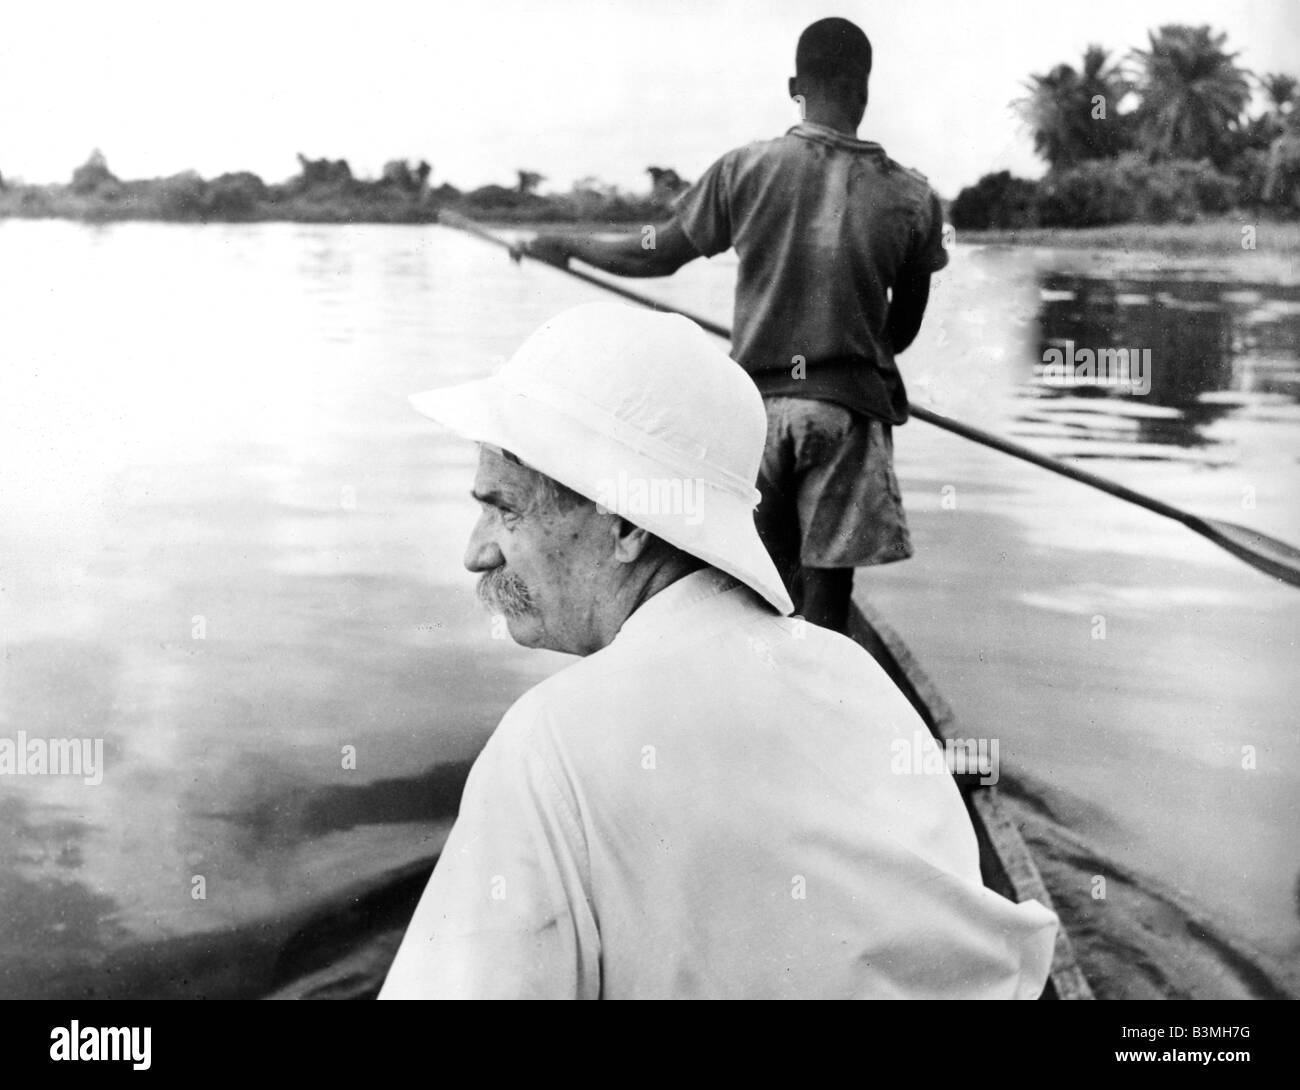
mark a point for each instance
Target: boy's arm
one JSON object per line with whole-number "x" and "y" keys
{"x": 906, "y": 309}
{"x": 651, "y": 251}
{"x": 927, "y": 254}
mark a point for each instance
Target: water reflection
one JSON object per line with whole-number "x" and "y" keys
{"x": 1215, "y": 347}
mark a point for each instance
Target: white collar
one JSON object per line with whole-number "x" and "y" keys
{"x": 664, "y": 609}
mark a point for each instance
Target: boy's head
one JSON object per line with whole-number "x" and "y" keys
{"x": 832, "y": 64}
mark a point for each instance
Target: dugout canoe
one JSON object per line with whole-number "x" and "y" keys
{"x": 343, "y": 950}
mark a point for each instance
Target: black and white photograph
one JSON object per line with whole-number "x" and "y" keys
{"x": 650, "y": 500}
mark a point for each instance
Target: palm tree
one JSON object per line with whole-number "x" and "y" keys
{"x": 1075, "y": 115}
{"x": 1280, "y": 114}
{"x": 1280, "y": 89}
{"x": 1281, "y": 126}
{"x": 1193, "y": 95}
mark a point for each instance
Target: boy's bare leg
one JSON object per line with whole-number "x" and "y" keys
{"x": 826, "y": 596}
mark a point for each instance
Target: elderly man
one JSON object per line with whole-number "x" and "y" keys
{"x": 704, "y": 804}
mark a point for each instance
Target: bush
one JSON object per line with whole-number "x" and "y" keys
{"x": 35, "y": 202}
{"x": 238, "y": 194}
{"x": 1177, "y": 189}
{"x": 996, "y": 202}
{"x": 322, "y": 177}
{"x": 1090, "y": 195}
{"x": 1216, "y": 192}
{"x": 493, "y": 198}
{"x": 92, "y": 174}
{"x": 1132, "y": 189}
{"x": 182, "y": 196}
{"x": 1250, "y": 171}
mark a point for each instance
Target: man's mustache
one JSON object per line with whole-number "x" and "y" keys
{"x": 503, "y": 592}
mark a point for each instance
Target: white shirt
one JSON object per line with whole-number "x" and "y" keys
{"x": 707, "y": 807}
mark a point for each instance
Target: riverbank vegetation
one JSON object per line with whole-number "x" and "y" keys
{"x": 1164, "y": 135}
{"x": 1175, "y": 134}
{"x": 326, "y": 191}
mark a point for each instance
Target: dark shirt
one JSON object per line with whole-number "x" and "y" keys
{"x": 824, "y": 225}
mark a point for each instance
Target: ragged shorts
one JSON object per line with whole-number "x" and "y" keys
{"x": 830, "y": 497}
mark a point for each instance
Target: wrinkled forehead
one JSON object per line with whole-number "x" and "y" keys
{"x": 501, "y": 473}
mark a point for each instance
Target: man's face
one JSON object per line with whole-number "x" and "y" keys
{"x": 543, "y": 567}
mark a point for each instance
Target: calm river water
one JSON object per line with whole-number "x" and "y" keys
{"x": 231, "y": 551}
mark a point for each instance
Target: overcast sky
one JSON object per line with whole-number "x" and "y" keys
{"x": 567, "y": 87}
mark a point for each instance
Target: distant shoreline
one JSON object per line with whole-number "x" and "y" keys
{"x": 1210, "y": 236}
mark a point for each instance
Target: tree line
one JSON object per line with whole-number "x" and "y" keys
{"x": 1169, "y": 133}
{"x": 1163, "y": 134}
{"x": 327, "y": 191}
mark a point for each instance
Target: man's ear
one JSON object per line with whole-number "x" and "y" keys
{"x": 792, "y": 86}
{"x": 630, "y": 540}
